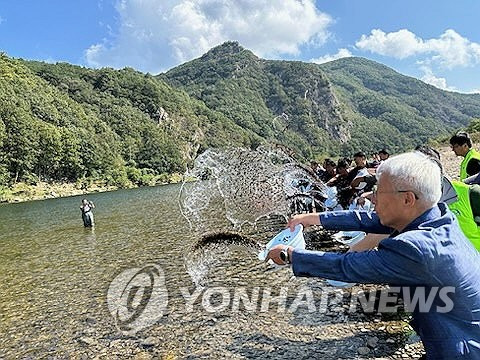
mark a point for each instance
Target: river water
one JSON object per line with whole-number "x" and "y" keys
{"x": 55, "y": 276}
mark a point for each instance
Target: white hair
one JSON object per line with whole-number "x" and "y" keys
{"x": 415, "y": 172}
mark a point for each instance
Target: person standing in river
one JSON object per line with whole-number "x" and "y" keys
{"x": 87, "y": 214}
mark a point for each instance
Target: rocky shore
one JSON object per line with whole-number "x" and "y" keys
{"x": 334, "y": 330}
{"x": 24, "y": 192}
{"x": 49, "y": 190}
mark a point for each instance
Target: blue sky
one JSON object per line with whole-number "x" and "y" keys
{"x": 435, "y": 41}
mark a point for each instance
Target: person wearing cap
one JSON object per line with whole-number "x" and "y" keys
{"x": 462, "y": 146}
{"x": 424, "y": 251}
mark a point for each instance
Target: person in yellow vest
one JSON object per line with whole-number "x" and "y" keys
{"x": 462, "y": 146}
{"x": 463, "y": 200}
{"x": 466, "y": 208}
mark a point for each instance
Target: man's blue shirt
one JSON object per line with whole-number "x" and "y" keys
{"x": 431, "y": 252}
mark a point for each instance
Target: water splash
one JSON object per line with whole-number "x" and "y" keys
{"x": 225, "y": 238}
{"x": 237, "y": 191}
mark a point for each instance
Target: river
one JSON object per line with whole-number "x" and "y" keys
{"x": 55, "y": 277}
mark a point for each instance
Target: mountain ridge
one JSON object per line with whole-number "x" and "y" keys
{"x": 361, "y": 100}
{"x": 62, "y": 122}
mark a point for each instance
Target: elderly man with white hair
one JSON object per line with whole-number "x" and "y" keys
{"x": 425, "y": 251}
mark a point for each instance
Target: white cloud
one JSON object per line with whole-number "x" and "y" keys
{"x": 157, "y": 34}
{"x": 1, "y": 20}
{"x": 92, "y": 53}
{"x": 326, "y": 58}
{"x": 431, "y": 79}
{"x": 452, "y": 50}
{"x": 475, "y": 91}
{"x": 400, "y": 44}
{"x": 449, "y": 50}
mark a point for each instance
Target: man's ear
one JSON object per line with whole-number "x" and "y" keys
{"x": 409, "y": 199}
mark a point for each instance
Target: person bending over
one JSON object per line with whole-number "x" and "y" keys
{"x": 424, "y": 251}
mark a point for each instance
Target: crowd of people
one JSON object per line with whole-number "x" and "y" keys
{"x": 350, "y": 181}
{"x": 354, "y": 183}
{"x": 424, "y": 237}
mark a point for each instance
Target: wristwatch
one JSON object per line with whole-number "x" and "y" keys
{"x": 284, "y": 255}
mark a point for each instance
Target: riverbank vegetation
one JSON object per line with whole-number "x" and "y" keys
{"x": 22, "y": 191}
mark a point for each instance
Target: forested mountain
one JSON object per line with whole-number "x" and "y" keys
{"x": 385, "y": 107}
{"x": 338, "y": 107}
{"x": 69, "y": 123}
{"x": 284, "y": 101}
{"x": 64, "y": 122}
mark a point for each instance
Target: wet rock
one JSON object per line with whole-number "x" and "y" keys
{"x": 212, "y": 321}
{"x": 149, "y": 342}
{"x": 363, "y": 350}
{"x": 86, "y": 340}
{"x": 90, "y": 321}
{"x": 413, "y": 338}
{"x": 372, "y": 342}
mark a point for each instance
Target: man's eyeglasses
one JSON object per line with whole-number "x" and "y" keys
{"x": 375, "y": 192}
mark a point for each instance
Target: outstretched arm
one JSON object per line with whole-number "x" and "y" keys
{"x": 332, "y": 181}
{"x": 355, "y": 182}
{"x": 305, "y": 219}
{"x": 395, "y": 262}
{"x": 350, "y": 220}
